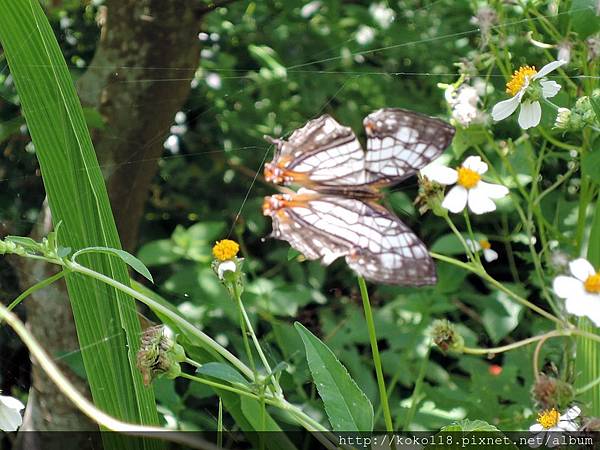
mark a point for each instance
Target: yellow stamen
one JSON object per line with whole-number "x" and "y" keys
{"x": 548, "y": 418}
{"x": 518, "y": 79}
{"x": 468, "y": 178}
{"x": 592, "y": 284}
{"x": 225, "y": 249}
{"x": 485, "y": 244}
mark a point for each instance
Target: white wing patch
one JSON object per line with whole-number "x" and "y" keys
{"x": 375, "y": 243}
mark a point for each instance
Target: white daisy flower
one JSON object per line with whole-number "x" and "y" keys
{"x": 551, "y": 421}
{"x": 581, "y": 291}
{"x": 469, "y": 188}
{"x": 483, "y": 244}
{"x": 10, "y": 413}
{"x": 519, "y": 85}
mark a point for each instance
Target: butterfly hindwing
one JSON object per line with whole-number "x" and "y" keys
{"x": 374, "y": 242}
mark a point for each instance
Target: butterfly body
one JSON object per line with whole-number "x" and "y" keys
{"x": 335, "y": 213}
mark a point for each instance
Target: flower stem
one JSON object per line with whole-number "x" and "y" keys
{"x": 157, "y": 307}
{"x": 417, "y": 390}
{"x": 483, "y": 274}
{"x": 375, "y": 350}
{"x": 42, "y": 284}
{"x": 83, "y": 404}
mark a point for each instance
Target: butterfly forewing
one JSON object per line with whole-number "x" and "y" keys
{"x": 401, "y": 142}
{"x": 327, "y": 156}
{"x": 374, "y": 242}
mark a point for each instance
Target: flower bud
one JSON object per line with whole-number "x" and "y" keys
{"x": 446, "y": 336}
{"x": 159, "y": 354}
{"x": 430, "y": 197}
{"x": 549, "y": 392}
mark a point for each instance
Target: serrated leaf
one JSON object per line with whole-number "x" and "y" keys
{"x": 126, "y": 257}
{"x": 469, "y": 426}
{"x": 347, "y": 406}
{"x": 223, "y": 372}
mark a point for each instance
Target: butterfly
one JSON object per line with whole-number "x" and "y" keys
{"x": 336, "y": 211}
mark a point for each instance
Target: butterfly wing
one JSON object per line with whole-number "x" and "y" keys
{"x": 321, "y": 153}
{"x": 374, "y": 242}
{"x": 401, "y": 142}
{"x": 324, "y": 155}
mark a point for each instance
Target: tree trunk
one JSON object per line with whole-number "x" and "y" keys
{"x": 138, "y": 79}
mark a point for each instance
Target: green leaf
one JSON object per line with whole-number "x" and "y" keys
{"x": 470, "y": 425}
{"x": 501, "y": 315}
{"x": 584, "y": 17}
{"x": 223, "y": 372}
{"x": 158, "y": 253}
{"x": 24, "y": 241}
{"x": 107, "y": 324}
{"x": 261, "y": 420}
{"x": 126, "y": 257}
{"x": 449, "y": 244}
{"x": 590, "y": 165}
{"x": 268, "y": 57}
{"x": 347, "y": 406}
{"x": 465, "y": 138}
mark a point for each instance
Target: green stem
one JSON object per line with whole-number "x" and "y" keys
{"x": 193, "y": 363}
{"x": 250, "y": 330}
{"x": 483, "y": 274}
{"x": 417, "y": 390}
{"x": 216, "y": 385}
{"x": 65, "y": 386}
{"x": 42, "y": 284}
{"x": 588, "y": 386}
{"x": 157, "y": 307}
{"x": 245, "y": 336}
{"x": 472, "y": 236}
{"x": 375, "y": 350}
{"x": 459, "y": 236}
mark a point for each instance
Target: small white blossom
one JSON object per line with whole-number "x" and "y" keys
{"x": 464, "y": 102}
{"x": 226, "y": 266}
{"x": 488, "y": 253}
{"x": 469, "y": 189}
{"x": 310, "y": 8}
{"x": 10, "y": 413}
{"x": 365, "y": 35}
{"x": 381, "y": 14}
{"x": 552, "y": 421}
{"x": 522, "y": 82}
{"x": 580, "y": 291}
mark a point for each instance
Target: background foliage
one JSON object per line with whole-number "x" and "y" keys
{"x": 266, "y": 68}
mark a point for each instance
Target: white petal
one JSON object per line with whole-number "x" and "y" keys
{"x": 505, "y": 108}
{"x": 493, "y": 190}
{"x": 456, "y": 199}
{"x": 530, "y": 114}
{"x": 536, "y": 427}
{"x": 567, "y": 425}
{"x": 490, "y": 255}
{"x": 10, "y": 416}
{"x": 440, "y": 174}
{"x": 565, "y": 286}
{"x": 577, "y": 304}
{"x": 11, "y": 402}
{"x": 479, "y": 202}
{"x": 476, "y": 164}
{"x": 581, "y": 269}
{"x": 474, "y": 246}
{"x": 549, "y": 88}
{"x": 226, "y": 266}
{"x": 549, "y": 68}
{"x": 572, "y": 413}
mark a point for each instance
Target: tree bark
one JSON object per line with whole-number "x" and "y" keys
{"x": 138, "y": 79}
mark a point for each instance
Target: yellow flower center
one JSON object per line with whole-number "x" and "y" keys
{"x": 518, "y": 79}
{"x": 592, "y": 284}
{"x": 225, "y": 249}
{"x": 468, "y": 178}
{"x": 548, "y": 418}
{"x": 485, "y": 244}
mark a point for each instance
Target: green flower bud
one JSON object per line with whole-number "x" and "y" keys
{"x": 446, "y": 336}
